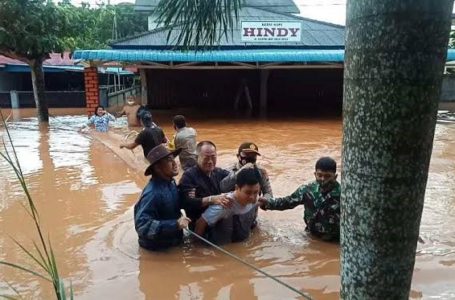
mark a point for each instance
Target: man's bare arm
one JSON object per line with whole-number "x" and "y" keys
{"x": 130, "y": 146}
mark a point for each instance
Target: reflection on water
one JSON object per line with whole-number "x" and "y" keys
{"x": 85, "y": 191}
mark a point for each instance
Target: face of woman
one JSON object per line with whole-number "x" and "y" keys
{"x": 100, "y": 111}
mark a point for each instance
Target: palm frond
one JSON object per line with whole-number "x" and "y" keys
{"x": 199, "y": 23}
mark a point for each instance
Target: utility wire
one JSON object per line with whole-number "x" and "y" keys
{"x": 304, "y": 295}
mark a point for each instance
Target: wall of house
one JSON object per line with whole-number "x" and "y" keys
{"x": 308, "y": 90}
{"x": 13, "y": 81}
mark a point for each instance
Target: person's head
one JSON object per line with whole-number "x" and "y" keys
{"x": 247, "y": 153}
{"x": 179, "y": 122}
{"x": 131, "y": 100}
{"x": 326, "y": 172}
{"x": 247, "y": 186}
{"x": 146, "y": 119}
{"x": 206, "y": 156}
{"x": 99, "y": 111}
{"x": 162, "y": 163}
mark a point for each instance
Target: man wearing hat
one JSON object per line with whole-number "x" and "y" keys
{"x": 247, "y": 156}
{"x": 157, "y": 217}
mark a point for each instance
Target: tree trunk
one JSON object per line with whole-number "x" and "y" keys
{"x": 395, "y": 56}
{"x": 39, "y": 94}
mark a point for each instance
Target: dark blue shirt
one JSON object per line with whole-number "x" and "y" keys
{"x": 156, "y": 214}
{"x": 205, "y": 186}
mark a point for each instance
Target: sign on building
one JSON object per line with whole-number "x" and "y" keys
{"x": 271, "y": 31}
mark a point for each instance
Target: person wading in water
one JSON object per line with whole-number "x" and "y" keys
{"x": 157, "y": 218}
{"x": 320, "y": 198}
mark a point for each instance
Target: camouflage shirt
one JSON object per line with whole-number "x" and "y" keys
{"x": 322, "y": 210}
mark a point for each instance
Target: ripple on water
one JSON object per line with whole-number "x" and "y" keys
{"x": 98, "y": 245}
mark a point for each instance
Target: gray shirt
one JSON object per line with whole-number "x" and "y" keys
{"x": 227, "y": 225}
{"x": 215, "y": 213}
{"x": 185, "y": 138}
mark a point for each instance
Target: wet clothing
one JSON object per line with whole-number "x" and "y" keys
{"x": 150, "y": 137}
{"x": 322, "y": 210}
{"x": 205, "y": 186}
{"x": 231, "y": 224}
{"x": 131, "y": 114}
{"x": 185, "y": 139}
{"x": 156, "y": 214}
{"x": 228, "y": 183}
{"x": 101, "y": 122}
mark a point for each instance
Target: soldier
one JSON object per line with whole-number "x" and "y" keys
{"x": 247, "y": 156}
{"x": 320, "y": 198}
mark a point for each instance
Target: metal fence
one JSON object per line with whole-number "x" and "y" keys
{"x": 119, "y": 98}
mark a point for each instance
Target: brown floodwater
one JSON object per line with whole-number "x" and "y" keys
{"x": 85, "y": 187}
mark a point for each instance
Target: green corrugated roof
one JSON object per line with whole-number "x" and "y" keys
{"x": 315, "y": 34}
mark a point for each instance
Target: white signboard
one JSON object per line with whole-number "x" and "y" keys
{"x": 271, "y": 31}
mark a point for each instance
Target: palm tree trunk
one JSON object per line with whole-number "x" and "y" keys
{"x": 36, "y": 66}
{"x": 395, "y": 55}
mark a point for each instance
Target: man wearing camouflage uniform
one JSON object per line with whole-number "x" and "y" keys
{"x": 320, "y": 198}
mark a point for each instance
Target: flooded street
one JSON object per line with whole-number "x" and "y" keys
{"x": 85, "y": 187}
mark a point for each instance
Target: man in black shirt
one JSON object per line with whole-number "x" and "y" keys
{"x": 200, "y": 184}
{"x": 150, "y": 137}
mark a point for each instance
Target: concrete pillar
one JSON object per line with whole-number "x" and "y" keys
{"x": 144, "y": 94}
{"x": 14, "y": 98}
{"x": 92, "y": 92}
{"x": 264, "y": 77}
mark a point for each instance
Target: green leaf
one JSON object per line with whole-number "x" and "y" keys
{"x": 25, "y": 269}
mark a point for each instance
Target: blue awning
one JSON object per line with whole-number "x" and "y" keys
{"x": 60, "y": 69}
{"x": 248, "y": 55}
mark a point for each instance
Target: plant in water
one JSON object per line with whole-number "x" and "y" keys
{"x": 42, "y": 253}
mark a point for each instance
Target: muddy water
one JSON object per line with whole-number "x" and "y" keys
{"x": 85, "y": 187}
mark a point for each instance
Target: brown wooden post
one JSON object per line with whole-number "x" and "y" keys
{"x": 92, "y": 93}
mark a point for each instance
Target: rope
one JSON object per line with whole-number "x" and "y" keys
{"x": 304, "y": 295}
{"x": 129, "y": 134}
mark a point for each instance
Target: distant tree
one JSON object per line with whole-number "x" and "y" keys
{"x": 95, "y": 25}
{"x": 29, "y": 31}
{"x": 32, "y": 29}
